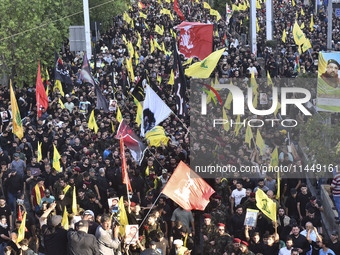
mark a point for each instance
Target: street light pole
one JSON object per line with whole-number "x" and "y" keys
{"x": 329, "y": 25}
{"x": 87, "y": 28}
{"x": 253, "y": 26}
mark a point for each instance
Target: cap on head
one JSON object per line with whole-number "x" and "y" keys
{"x": 178, "y": 241}
{"x": 89, "y": 212}
{"x": 56, "y": 220}
{"x": 236, "y": 240}
{"x": 220, "y": 225}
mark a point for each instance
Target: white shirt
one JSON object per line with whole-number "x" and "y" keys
{"x": 285, "y": 251}
{"x": 238, "y": 195}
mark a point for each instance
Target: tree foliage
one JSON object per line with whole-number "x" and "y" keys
{"x": 33, "y": 31}
{"x": 27, "y": 34}
{"x": 320, "y": 138}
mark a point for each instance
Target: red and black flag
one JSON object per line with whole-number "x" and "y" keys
{"x": 61, "y": 73}
{"x": 131, "y": 140}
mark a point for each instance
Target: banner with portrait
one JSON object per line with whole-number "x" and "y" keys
{"x": 328, "y": 97}
{"x": 131, "y": 234}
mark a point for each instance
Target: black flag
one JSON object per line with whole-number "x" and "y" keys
{"x": 101, "y": 100}
{"x": 180, "y": 86}
{"x": 61, "y": 73}
{"x": 138, "y": 92}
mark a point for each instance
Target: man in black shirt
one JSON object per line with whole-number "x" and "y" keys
{"x": 334, "y": 244}
{"x": 299, "y": 241}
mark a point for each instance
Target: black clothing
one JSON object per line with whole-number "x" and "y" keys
{"x": 55, "y": 240}
{"x": 81, "y": 243}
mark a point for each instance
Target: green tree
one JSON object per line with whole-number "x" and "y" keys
{"x": 100, "y": 11}
{"x": 28, "y": 34}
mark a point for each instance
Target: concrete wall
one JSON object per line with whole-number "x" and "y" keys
{"x": 329, "y": 216}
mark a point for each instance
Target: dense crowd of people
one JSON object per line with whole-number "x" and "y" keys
{"x": 91, "y": 161}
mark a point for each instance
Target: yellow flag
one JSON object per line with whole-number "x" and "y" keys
{"x": 305, "y": 46}
{"x": 265, "y": 204}
{"x": 302, "y": 12}
{"x": 123, "y": 219}
{"x": 119, "y": 116}
{"x": 139, "y": 43}
{"x": 275, "y": 158}
{"x": 311, "y": 23}
{"x": 172, "y": 78}
{"x": 253, "y": 82}
{"x": 238, "y": 126}
{"x": 130, "y": 49}
{"x": 47, "y": 89}
{"x": 61, "y": 104}
{"x": 17, "y": 124}
{"x": 215, "y": 13}
{"x": 155, "y": 43}
{"x": 136, "y": 57}
{"x": 142, "y": 15}
{"x": 159, "y": 30}
{"x": 58, "y": 86}
{"x": 92, "y": 123}
{"x": 302, "y": 25}
{"x": 284, "y": 35}
{"x": 227, "y": 103}
{"x": 293, "y": 3}
{"x": 248, "y": 5}
{"x": 226, "y": 126}
{"x": 258, "y": 6}
{"x": 127, "y": 18}
{"x": 64, "y": 221}
{"x": 21, "y": 231}
{"x": 257, "y": 26}
{"x": 124, "y": 39}
{"x": 297, "y": 16}
{"x": 74, "y": 201}
{"x": 234, "y": 7}
{"x": 129, "y": 67}
{"x": 277, "y": 108}
{"x": 259, "y": 142}
{"x": 159, "y": 79}
{"x": 309, "y": 45}
{"x": 299, "y": 49}
{"x": 278, "y": 181}
{"x": 146, "y": 25}
{"x": 204, "y": 68}
{"x": 188, "y": 62}
{"x": 56, "y": 158}
{"x": 255, "y": 99}
{"x": 132, "y": 24}
{"x": 299, "y": 36}
{"x": 39, "y": 152}
{"x": 206, "y": 5}
{"x": 139, "y": 111}
{"x": 163, "y": 47}
{"x": 269, "y": 80}
{"x": 248, "y": 136}
{"x": 156, "y": 136}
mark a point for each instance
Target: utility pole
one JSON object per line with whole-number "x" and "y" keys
{"x": 87, "y": 28}
{"x": 253, "y": 26}
{"x": 269, "y": 19}
{"x": 329, "y": 25}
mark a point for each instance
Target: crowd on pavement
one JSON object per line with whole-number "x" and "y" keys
{"x": 91, "y": 163}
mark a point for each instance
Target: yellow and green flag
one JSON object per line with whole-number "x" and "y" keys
{"x": 17, "y": 124}
{"x": 259, "y": 142}
{"x": 39, "y": 152}
{"x": 311, "y": 25}
{"x": 61, "y": 104}
{"x": 142, "y": 15}
{"x": 299, "y": 36}
{"x": 123, "y": 219}
{"x": 156, "y": 136}
{"x": 56, "y": 158}
{"x": 248, "y": 136}
{"x": 159, "y": 30}
{"x": 206, "y": 5}
{"x": 74, "y": 201}
{"x": 284, "y": 35}
{"x": 275, "y": 158}
{"x": 172, "y": 78}
{"x": 92, "y": 123}
{"x": 58, "y": 86}
{"x": 269, "y": 80}
{"x": 265, "y": 204}
{"x": 204, "y": 68}
{"x": 119, "y": 116}
{"x": 64, "y": 221}
{"x": 21, "y": 231}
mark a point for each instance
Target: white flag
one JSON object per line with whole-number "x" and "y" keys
{"x": 154, "y": 111}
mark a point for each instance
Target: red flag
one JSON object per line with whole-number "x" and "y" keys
{"x": 177, "y": 10}
{"x": 188, "y": 189}
{"x": 41, "y": 97}
{"x": 19, "y": 214}
{"x": 125, "y": 174}
{"x": 196, "y": 39}
{"x": 140, "y": 5}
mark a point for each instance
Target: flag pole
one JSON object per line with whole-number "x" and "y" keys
{"x": 185, "y": 126}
